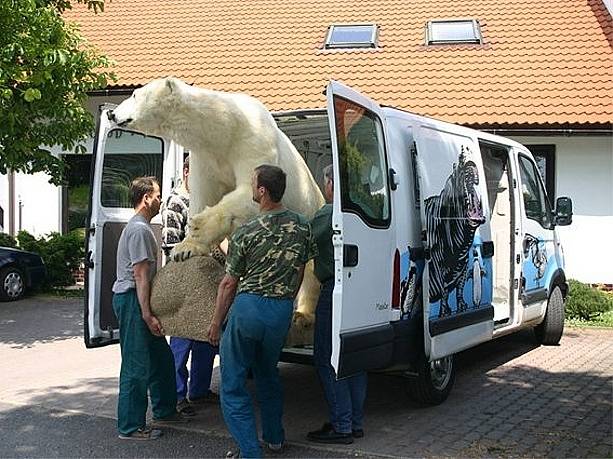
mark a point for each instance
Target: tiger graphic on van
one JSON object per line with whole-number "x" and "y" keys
{"x": 452, "y": 218}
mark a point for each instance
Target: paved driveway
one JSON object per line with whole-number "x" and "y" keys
{"x": 511, "y": 397}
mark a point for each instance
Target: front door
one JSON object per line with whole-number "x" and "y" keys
{"x": 364, "y": 234}
{"x": 458, "y": 310}
{"x": 119, "y": 157}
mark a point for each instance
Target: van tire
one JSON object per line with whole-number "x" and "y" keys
{"x": 549, "y": 331}
{"x": 433, "y": 381}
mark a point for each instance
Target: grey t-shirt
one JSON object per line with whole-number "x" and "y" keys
{"x": 137, "y": 243}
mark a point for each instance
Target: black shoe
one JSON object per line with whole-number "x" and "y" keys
{"x": 358, "y": 433}
{"x": 326, "y": 428}
{"x": 330, "y": 436}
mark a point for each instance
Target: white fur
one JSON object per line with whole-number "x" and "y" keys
{"x": 228, "y": 135}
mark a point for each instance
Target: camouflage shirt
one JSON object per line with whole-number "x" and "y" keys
{"x": 267, "y": 253}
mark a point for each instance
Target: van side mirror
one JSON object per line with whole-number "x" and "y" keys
{"x": 564, "y": 211}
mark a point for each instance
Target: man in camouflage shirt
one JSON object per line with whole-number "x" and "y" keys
{"x": 265, "y": 266}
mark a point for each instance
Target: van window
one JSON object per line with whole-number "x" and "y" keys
{"x": 536, "y": 204}
{"x": 363, "y": 168}
{"x": 128, "y": 155}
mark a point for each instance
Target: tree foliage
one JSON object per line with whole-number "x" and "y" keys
{"x": 46, "y": 70}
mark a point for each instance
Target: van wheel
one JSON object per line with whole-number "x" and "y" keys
{"x": 433, "y": 382}
{"x": 12, "y": 285}
{"x": 549, "y": 331}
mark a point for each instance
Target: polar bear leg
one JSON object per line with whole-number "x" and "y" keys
{"x": 307, "y": 297}
{"x": 208, "y": 228}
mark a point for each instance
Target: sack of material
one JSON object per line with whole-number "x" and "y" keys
{"x": 183, "y": 296}
{"x": 183, "y": 299}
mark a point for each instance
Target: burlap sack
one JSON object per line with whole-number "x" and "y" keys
{"x": 183, "y": 299}
{"x": 183, "y": 296}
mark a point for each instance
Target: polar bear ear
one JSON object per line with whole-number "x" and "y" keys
{"x": 171, "y": 84}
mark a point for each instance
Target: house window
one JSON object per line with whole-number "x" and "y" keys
{"x": 442, "y": 32}
{"x": 352, "y": 36}
{"x": 544, "y": 155}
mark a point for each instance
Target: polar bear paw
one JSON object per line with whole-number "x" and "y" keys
{"x": 303, "y": 320}
{"x": 188, "y": 248}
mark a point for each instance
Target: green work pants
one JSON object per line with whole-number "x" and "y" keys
{"x": 146, "y": 364}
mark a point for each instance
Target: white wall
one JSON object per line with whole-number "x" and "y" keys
{"x": 584, "y": 172}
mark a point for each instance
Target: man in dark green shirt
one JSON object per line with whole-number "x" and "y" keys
{"x": 265, "y": 264}
{"x": 345, "y": 397}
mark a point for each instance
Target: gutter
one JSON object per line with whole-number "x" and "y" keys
{"x": 547, "y": 132}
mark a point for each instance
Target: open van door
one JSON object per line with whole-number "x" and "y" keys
{"x": 458, "y": 280}
{"x": 364, "y": 236}
{"x": 119, "y": 157}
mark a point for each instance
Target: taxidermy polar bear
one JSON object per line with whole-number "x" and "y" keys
{"x": 228, "y": 135}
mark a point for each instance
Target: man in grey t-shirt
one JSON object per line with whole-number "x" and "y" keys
{"x": 146, "y": 360}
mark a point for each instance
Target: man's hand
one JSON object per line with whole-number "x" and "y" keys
{"x": 214, "y": 334}
{"x": 154, "y": 325}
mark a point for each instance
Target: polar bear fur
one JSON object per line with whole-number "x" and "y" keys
{"x": 228, "y": 135}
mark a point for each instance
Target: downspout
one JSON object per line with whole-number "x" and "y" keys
{"x": 11, "y": 206}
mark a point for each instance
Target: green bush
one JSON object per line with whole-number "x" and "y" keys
{"x": 7, "y": 240}
{"x": 62, "y": 253}
{"x": 585, "y": 302}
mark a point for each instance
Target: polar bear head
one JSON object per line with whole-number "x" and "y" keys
{"x": 150, "y": 109}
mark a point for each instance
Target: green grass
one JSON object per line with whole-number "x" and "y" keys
{"x": 604, "y": 319}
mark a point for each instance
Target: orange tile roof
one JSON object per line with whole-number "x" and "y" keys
{"x": 542, "y": 61}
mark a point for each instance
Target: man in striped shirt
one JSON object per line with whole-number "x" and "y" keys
{"x": 193, "y": 387}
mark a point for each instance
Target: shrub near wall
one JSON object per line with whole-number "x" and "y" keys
{"x": 62, "y": 254}
{"x": 585, "y": 302}
{"x": 6, "y": 240}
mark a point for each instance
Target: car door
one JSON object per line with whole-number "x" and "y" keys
{"x": 362, "y": 337}
{"x": 538, "y": 247}
{"x": 457, "y": 279}
{"x": 119, "y": 157}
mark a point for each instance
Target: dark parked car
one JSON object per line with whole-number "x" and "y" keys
{"x": 20, "y": 272}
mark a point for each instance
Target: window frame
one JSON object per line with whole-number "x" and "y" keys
{"x": 162, "y": 154}
{"x": 541, "y": 185}
{"x": 372, "y": 44}
{"x": 347, "y": 204}
{"x": 548, "y": 153}
{"x": 478, "y": 40}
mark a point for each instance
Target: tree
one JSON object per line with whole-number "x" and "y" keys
{"x": 46, "y": 71}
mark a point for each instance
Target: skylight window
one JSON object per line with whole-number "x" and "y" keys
{"x": 352, "y": 36}
{"x": 453, "y": 31}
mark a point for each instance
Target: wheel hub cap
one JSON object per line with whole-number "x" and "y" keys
{"x": 13, "y": 285}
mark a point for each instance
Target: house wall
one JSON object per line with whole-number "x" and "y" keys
{"x": 584, "y": 172}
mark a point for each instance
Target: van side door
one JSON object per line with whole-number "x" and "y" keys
{"x": 364, "y": 234}
{"x": 538, "y": 246}
{"x": 119, "y": 157}
{"x": 458, "y": 280}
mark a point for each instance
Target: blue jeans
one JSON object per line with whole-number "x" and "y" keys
{"x": 201, "y": 368}
{"x": 253, "y": 338}
{"x": 346, "y": 396}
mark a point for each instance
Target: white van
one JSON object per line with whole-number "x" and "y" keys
{"x": 444, "y": 236}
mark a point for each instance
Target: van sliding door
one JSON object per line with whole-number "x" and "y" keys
{"x": 364, "y": 235}
{"x": 457, "y": 286}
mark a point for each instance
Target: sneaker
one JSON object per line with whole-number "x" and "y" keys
{"x": 328, "y": 435}
{"x": 142, "y": 434}
{"x": 233, "y": 454}
{"x": 173, "y": 419}
{"x": 275, "y": 448}
{"x": 210, "y": 398}
{"x": 185, "y": 409}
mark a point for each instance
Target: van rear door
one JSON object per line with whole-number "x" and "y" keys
{"x": 458, "y": 280}
{"x": 364, "y": 237}
{"x": 119, "y": 157}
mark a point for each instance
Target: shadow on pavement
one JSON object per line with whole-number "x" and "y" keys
{"x": 40, "y": 319}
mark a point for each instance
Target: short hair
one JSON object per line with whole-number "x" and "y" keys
{"x": 139, "y": 187}
{"x": 329, "y": 172}
{"x": 186, "y": 163}
{"x": 273, "y": 179}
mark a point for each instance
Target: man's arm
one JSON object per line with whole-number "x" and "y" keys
{"x": 143, "y": 291}
{"x": 225, "y": 296}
